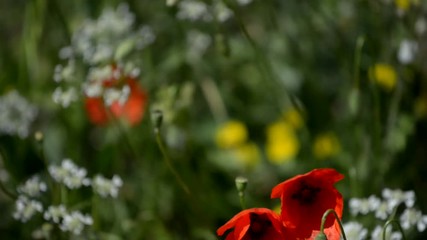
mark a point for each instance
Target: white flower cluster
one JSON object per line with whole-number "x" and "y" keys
{"x": 97, "y": 43}
{"x": 73, "y": 222}
{"x": 194, "y": 10}
{"x": 105, "y": 187}
{"x": 197, "y": 44}
{"x": 26, "y": 208}
{"x": 383, "y": 209}
{"x": 32, "y": 187}
{"x": 16, "y": 115}
{"x": 69, "y": 174}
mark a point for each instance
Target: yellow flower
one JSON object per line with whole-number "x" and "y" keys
{"x": 282, "y": 143}
{"x": 420, "y": 106}
{"x": 248, "y": 154}
{"x": 385, "y": 76}
{"x": 403, "y": 4}
{"x": 294, "y": 118}
{"x": 326, "y": 145}
{"x": 231, "y": 134}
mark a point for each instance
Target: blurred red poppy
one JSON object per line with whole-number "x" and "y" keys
{"x": 132, "y": 110}
{"x": 305, "y": 198}
{"x": 254, "y": 223}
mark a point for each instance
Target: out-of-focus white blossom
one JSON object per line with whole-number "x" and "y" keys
{"x": 377, "y": 233}
{"x": 197, "y": 43}
{"x": 106, "y": 187}
{"x": 65, "y": 73}
{"x": 44, "y": 232}
{"x": 69, "y": 174}
{"x": 364, "y": 205}
{"x": 222, "y": 12}
{"x": 32, "y": 187}
{"x": 243, "y": 2}
{"x": 413, "y": 217}
{"x": 421, "y": 26}
{"x": 396, "y": 197}
{"x": 75, "y": 222}
{"x": 25, "y": 208}
{"x": 382, "y": 211}
{"x": 355, "y": 231}
{"x": 64, "y": 98}
{"x": 16, "y": 115}
{"x": 55, "y": 213}
{"x": 193, "y": 10}
{"x": 112, "y": 95}
{"x": 407, "y": 51}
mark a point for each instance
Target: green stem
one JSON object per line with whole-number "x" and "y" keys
{"x": 7, "y": 192}
{"x": 168, "y": 161}
{"x": 325, "y": 215}
{"x": 357, "y": 56}
{"x": 396, "y": 223}
{"x": 242, "y": 200}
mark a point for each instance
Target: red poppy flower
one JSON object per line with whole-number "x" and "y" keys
{"x": 132, "y": 110}
{"x": 254, "y": 223}
{"x": 305, "y": 198}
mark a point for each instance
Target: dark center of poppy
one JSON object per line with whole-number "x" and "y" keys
{"x": 259, "y": 226}
{"x": 306, "y": 194}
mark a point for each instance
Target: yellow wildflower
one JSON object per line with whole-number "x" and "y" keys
{"x": 326, "y": 145}
{"x": 231, "y": 134}
{"x": 248, "y": 154}
{"x": 420, "y": 106}
{"x": 403, "y": 4}
{"x": 294, "y": 118}
{"x": 385, "y": 76}
{"x": 282, "y": 143}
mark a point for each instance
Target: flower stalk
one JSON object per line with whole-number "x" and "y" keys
{"x": 322, "y": 234}
{"x": 158, "y": 119}
{"x": 396, "y": 223}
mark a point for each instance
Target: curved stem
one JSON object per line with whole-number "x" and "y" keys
{"x": 325, "y": 215}
{"x": 168, "y": 161}
{"x": 7, "y": 192}
{"x": 395, "y": 223}
{"x": 242, "y": 200}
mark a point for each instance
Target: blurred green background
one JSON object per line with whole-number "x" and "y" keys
{"x": 275, "y": 89}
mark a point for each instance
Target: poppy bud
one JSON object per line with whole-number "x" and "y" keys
{"x": 241, "y": 183}
{"x": 157, "y": 118}
{"x": 321, "y": 236}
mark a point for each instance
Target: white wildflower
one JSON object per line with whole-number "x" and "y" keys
{"x": 193, "y": 10}
{"x": 16, "y": 115}
{"x": 421, "y": 26}
{"x": 66, "y": 52}
{"x": 407, "y": 51}
{"x": 100, "y": 74}
{"x": 75, "y": 222}
{"x": 377, "y": 233}
{"x": 64, "y": 98}
{"x": 112, "y": 95}
{"x": 243, "y": 2}
{"x": 55, "y": 213}
{"x": 32, "y": 187}
{"x": 144, "y": 37}
{"x": 65, "y": 73}
{"x": 355, "y": 231}
{"x": 413, "y": 217}
{"x": 360, "y": 206}
{"x": 197, "y": 44}
{"x": 25, "y": 208}
{"x": 44, "y": 232}
{"x": 222, "y": 12}
{"x": 171, "y": 3}
{"x": 69, "y": 174}
{"x": 106, "y": 187}
{"x": 396, "y": 197}
{"x": 382, "y": 212}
